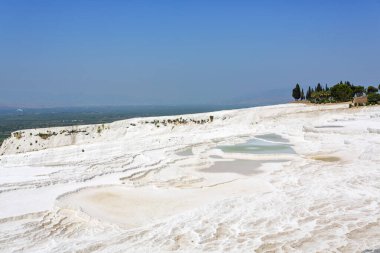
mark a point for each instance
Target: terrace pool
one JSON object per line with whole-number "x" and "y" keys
{"x": 261, "y": 144}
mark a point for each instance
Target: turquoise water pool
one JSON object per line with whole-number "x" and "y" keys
{"x": 262, "y": 144}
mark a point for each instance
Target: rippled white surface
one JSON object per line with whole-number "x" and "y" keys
{"x": 301, "y": 205}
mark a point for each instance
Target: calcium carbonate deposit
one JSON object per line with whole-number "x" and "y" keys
{"x": 284, "y": 178}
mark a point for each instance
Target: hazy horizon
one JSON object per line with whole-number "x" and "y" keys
{"x": 243, "y": 101}
{"x": 98, "y": 53}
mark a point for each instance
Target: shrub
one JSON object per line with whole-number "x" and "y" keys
{"x": 341, "y": 92}
{"x": 17, "y": 135}
{"x": 44, "y": 136}
{"x": 320, "y": 97}
{"x": 372, "y": 89}
{"x": 373, "y": 98}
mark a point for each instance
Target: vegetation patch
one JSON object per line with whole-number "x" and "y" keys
{"x": 340, "y": 92}
{"x": 374, "y": 98}
{"x": 75, "y": 131}
{"x": 17, "y": 135}
{"x": 46, "y": 136}
{"x": 180, "y": 121}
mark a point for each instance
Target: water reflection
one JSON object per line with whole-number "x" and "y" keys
{"x": 269, "y": 145}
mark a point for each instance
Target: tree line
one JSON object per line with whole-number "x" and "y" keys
{"x": 340, "y": 92}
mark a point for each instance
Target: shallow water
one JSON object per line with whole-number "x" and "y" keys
{"x": 216, "y": 156}
{"x": 186, "y": 152}
{"x": 257, "y": 146}
{"x": 243, "y": 167}
{"x": 272, "y": 137}
{"x": 328, "y": 126}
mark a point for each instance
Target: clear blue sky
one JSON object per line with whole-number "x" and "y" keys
{"x": 58, "y": 53}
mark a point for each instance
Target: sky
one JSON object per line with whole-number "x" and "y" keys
{"x": 81, "y": 53}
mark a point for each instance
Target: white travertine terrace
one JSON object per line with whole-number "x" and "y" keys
{"x": 123, "y": 187}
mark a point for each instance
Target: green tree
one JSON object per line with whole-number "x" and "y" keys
{"x": 341, "y": 92}
{"x": 373, "y": 98}
{"x": 296, "y": 94}
{"x": 302, "y": 95}
{"x": 372, "y": 89}
{"x": 320, "y": 96}
{"x": 319, "y": 87}
{"x": 357, "y": 89}
{"x": 308, "y": 93}
{"x": 326, "y": 87}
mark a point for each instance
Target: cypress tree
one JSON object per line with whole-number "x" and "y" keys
{"x": 302, "y": 95}
{"x": 296, "y": 94}
{"x": 308, "y": 93}
{"x": 319, "y": 87}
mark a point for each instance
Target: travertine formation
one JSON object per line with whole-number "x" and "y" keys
{"x": 163, "y": 184}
